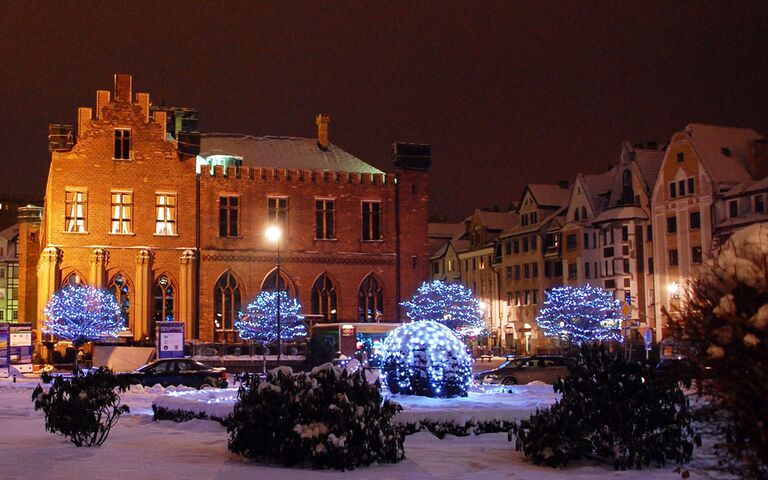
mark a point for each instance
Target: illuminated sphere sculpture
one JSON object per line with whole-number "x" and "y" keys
{"x": 426, "y": 358}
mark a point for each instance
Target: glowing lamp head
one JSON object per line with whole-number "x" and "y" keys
{"x": 273, "y": 233}
{"x": 673, "y": 288}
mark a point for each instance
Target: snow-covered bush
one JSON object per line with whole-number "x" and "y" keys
{"x": 328, "y": 418}
{"x": 426, "y": 358}
{"x": 723, "y": 328}
{"x": 611, "y": 409}
{"x": 83, "y": 408}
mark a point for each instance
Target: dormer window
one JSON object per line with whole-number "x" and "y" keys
{"x": 122, "y": 144}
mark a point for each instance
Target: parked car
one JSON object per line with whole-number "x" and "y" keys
{"x": 178, "y": 371}
{"x": 522, "y": 370}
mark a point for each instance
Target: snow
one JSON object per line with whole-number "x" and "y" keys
{"x": 141, "y": 449}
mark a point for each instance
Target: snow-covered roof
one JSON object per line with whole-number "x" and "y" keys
{"x": 497, "y": 220}
{"x": 649, "y": 164}
{"x": 598, "y": 188}
{"x": 444, "y": 230}
{"x": 747, "y": 188}
{"x": 283, "y": 152}
{"x": 724, "y": 151}
{"x": 548, "y": 195}
{"x": 619, "y": 213}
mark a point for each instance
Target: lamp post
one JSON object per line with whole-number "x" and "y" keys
{"x": 273, "y": 234}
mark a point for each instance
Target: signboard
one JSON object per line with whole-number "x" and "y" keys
{"x": 648, "y": 338}
{"x": 170, "y": 339}
{"x": 5, "y": 352}
{"x": 20, "y": 342}
{"x": 347, "y": 330}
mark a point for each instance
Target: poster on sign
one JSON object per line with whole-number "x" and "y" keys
{"x": 20, "y": 343}
{"x": 5, "y": 352}
{"x": 170, "y": 340}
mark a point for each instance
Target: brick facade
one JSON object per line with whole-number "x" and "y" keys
{"x": 195, "y": 256}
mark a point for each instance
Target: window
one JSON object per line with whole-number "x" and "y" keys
{"x": 525, "y": 244}
{"x": 673, "y": 257}
{"x": 534, "y": 217}
{"x": 162, "y": 293}
{"x": 75, "y": 203}
{"x": 649, "y": 233}
{"x": 535, "y": 296}
{"x": 681, "y": 188}
{"x": 165, "y": 206}
{"x": 547, "y": 269}
{"x": 324, "y": 298}
{"x": 278, "y": 211}
{"x": 671, "y": 224}
{"x": 759, "y": 204}
{"x": 576, "y": 214}
{"x": 370, "y": 300}
{"x": 527, "y": 271}
{"x": 570, "y": 241}
{"x": 435, "y": 268}
{"x": 586, "y": 270}
{"x": 534, "y": 243}
{"x": 626, "y": 265}
{"x": 508, "y": 271}
{"x": 608, "y": 252}
{"x": 527, "y": 300}
{"x": 226, "y": 302}
{"x": 573, "y": 271}
{"x": 272, "y": 283}
{"x": 516, "y": 244}
{"x": 122, "y": 144}
{"x": 680, "y": 157}
{"x": 625, "y": 250}
{"x": 650, "y": 265}
{"x": 525, "y": 219}
{"x": 508, "y": 248}
{"x": 121, "y": 289}
{"x": 696, "y": 255}
{"x": 324, "y": 218}
{"x": 733, "y": 208}
{"x": 371, "y": 220}
{"x": 691, "y": 186}
{"x": 122, "y": 212}
{"x": 229, "y": 216}
{"x": 624, "y": 233}
{"x": 510, "y": 296}
{"x": 672, "y": 190}
{"x": 558, "y": 269}
{"x": 517, "y": 272}
{"x": 586, "y": 241}
{"x": 2, "y": 273}
{"x": 534, "y": 270}
{"x": 517, "y": 299}
{"x": 695, "y": 220}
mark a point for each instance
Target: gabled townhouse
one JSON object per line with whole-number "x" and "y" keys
{"x": 697, "y": 186}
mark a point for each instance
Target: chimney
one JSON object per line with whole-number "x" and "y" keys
{"x": 412, "y": 156}
{"x": 84, "y": 116}
{"x": 322, "y": 122}
{"x": 143, "y": 100}
{"x": 102, "y": 99}
{"x": 757, "y": 162}
{"x": 563, "y": 184}
{"x": 123, "y": 87}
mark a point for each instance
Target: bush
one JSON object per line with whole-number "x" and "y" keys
{"x": 83, "y": 408}
{"x": 612, "y": 409}
{"x": 320, "y": 350}
{"x": 723, "y": 329}
{"x": 326, "y": 418}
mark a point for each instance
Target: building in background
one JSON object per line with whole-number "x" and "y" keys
{"x": 173, "y": 222}
{"x": 9, "y": 274}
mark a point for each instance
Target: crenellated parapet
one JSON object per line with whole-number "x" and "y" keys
{"x": 266, "y": 175}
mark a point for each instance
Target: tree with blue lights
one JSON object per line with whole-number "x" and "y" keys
{"x": 258, "y": 322}
{"x": 581, "y": 315}
{"x": 81, "y": 314}
{"x": 451, "y": 304}
{"x": 426, "y": 358}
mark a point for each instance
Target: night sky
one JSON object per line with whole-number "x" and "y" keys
{"x": 507, "y": 93}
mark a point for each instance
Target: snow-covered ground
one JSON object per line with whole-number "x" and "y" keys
{"x": 139, "y": 448}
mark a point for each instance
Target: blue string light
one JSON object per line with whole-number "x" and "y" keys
{"x": 258, "y": 321}
{"x": 426, "y": 358}
{"x": 581, "y": 315}
{"x": 451, "y": 304}
{"x": 81, "y": 314}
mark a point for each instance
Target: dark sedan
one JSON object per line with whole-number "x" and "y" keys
{"x": 178, "y": 371}
{"x": 543, "y": 368}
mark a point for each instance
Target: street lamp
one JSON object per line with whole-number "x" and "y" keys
{"x": 273, "y": 234}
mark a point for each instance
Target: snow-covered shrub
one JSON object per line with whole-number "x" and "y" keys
{"x": 611, "y": 409}
{"x": 83, "y": 408}
{"x": 723, "y": 329}
{"x": 426, "y": 358}
{"x": 328, "y": 418}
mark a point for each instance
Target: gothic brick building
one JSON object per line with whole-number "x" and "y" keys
{"x": 174, "y": 224}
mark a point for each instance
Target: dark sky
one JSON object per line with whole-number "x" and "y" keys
{"x": 507, "y": 93}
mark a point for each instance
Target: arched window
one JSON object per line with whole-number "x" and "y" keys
{"x": 226, "y": 302}
{"x": 121, "y": 289}
{"x": 162, "y": 300}
{"x": 627, "y": 191}
{"x": 370, "y": 300}
{"x": 73, "y": 278}
{"x": 324, "y": 298}
{"x": 286, "y": 285}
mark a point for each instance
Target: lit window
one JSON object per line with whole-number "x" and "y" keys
{"x": 696, "y": 255}
{"x": 371, "y": 220}
{"x": 122, "y": 144}
{"x": 165, "y": 206}
{"x": 324, "y": 217}
{"x": 122, "y": 212}
{"x": 278, "y": 210}
{"x": 226, "y": 303}
{"x": 370, "y": 300}
{"x": 162, "y": 294}
{"x": 74, "y": 211}
{"x": 324, "y": 298}
{"x": 229, "y": 216}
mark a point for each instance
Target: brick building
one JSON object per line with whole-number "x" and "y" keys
{"x": 175, "y": 228}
